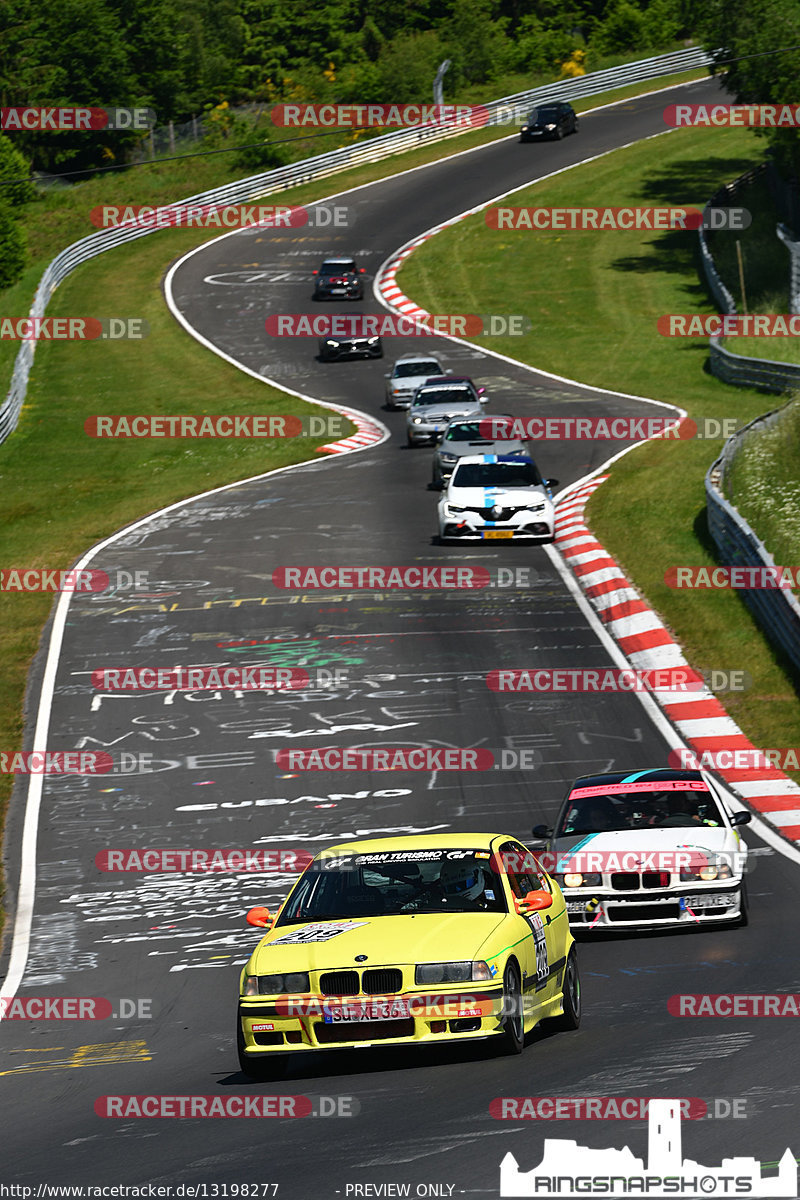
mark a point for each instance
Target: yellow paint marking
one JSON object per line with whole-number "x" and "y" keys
{"x": 87, "y": 1056}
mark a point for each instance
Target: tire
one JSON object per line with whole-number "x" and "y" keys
{"x": 411, "y": 444}
{"x": 571, "y": 993}
{"x": 268, "y": 1067}
{"x": 513, "y": 1019}
{"x": 559, "y": 134}
{"x": 744, "y": 913}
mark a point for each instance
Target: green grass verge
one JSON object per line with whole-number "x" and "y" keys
{"x": 763, "y": 481}
{"x": 597, "y": 297}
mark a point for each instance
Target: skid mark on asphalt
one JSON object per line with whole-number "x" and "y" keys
{"x": 666, "y": 1062}
{"x": 84, "y": 1056}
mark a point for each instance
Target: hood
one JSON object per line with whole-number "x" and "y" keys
{"x": 446, "y": 410}
{"x": 485, "y": 497}
{"x": 707, "y": 838}
{"x": 462, "y": 449}
{"x": 397, "y": 940}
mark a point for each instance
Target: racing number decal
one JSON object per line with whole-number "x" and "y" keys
{"x": 540, "y": 949}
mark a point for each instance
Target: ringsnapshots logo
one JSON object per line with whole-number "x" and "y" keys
{"x": 627, "y": 218}
{"x": 74, "y": 119}
{"x": 567, "y": 1169}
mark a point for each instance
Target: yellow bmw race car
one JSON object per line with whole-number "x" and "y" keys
{"x": 405, "y": 941}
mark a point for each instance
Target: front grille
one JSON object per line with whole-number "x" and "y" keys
{"x": 631, "y": 881}
{"x": 363, "y": 1031}
{"x": 503, "y": 514}
{"x": 339, "y": 983}
{"x": 381, "y": 981}
{"x": 643, "y": 912}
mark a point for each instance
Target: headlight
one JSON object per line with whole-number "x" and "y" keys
{"x": 448, "y": 458}
{"x": 549, "y": 126}
{"x": 454, "y": 508}
{"x": 416, "y": 420}
{"x": 573, "y": 879}
{"x": 452, "y": 972}
{"x": 331, "y": 342}
{"x": 275, "y": 985}
{"x": 372, "y": 341}
{"x": 535, "y": 507}
{"x": 707, "y": 873}
{"x": 524, "y": 129}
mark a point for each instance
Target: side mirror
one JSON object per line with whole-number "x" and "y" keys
{"x": 481, "y": 390}
{"x": 551, "y": 482}
{"x": 541, "y": 831}
{"x": 533, "y": 902}
{"x": 741, "y": 818}
{"x": 260, "y": 917}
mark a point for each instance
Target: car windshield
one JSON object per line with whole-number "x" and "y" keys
{"x": 498, "y": 474}
{"x": 545, "y": 114}
{"x": 467, "y": 431}
{"x": 609, "y": 810}
{"x": 394, "y": 882}
{"x": 406, "y": 369}
{"x": 337, "y": 268}
{"x": 450, "y": 395}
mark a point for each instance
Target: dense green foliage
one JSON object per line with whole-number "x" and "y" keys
{"x": 183, "y": 57}
{"x": 757, "y": 44}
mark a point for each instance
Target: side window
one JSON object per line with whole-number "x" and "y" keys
{"x": 524, "y": 873}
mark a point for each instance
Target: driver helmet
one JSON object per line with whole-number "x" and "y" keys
{"x": 461, "y": 880}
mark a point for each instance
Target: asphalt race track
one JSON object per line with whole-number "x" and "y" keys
{"x": 413, "y": 670}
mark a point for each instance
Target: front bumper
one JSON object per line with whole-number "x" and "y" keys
{"x": 470, "y": 1014}
{"x": 339, "y": 293}
{"x": 681, "y": 905}
{"x": 533, "y": 527}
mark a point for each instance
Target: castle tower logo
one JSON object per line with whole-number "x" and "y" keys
{"x": 568, "y": 1169}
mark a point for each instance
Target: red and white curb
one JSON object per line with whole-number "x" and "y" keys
{"x": 368, "y": 433}
{"x": 698, "y": 716}
{"x": 386, "y": 284}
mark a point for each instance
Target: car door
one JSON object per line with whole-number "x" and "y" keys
{"x": 532, "y": 952}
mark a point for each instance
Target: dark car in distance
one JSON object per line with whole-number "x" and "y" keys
{"x": 551, "y": 121}
{"x": 339, "y": 279}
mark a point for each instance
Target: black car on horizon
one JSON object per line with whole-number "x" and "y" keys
{"x": 550, "y": 121}
{"x": 339, "y": 279}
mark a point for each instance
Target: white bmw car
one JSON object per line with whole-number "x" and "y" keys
{"x": 648, "y": 849}
{"x": 491, "y": 496}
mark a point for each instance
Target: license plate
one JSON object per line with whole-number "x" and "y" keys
{"x": 338, "y": 291}
{"x": 498, "y": 533}
{"x": 367, "y": 1010}
{"x": 707, "y": 901}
